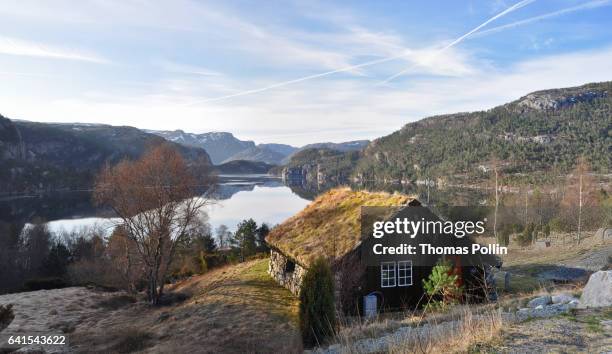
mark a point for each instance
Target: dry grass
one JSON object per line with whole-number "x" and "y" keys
{"x": 468, "y": 332}
{"x": 233, "y": 309}
{"x": 457, "y": 330}
{"x": 236, "y": 309}
{"x": 335, "y": 213}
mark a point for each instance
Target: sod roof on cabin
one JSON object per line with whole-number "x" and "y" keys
{"x": 330, "y": 225}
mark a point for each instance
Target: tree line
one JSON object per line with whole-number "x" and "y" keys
{"x": 162, "y": 235}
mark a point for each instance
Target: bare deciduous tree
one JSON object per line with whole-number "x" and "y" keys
{"x": 154, "y": 198}
{"x": 580, "y": 193}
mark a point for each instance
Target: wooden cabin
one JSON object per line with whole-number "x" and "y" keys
{"x": 331, "y": 227}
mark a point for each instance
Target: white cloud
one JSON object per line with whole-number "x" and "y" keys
{"x": 335, "y": 110}
{"x": 14, "y": 46}
{"x": 185, "y": 68}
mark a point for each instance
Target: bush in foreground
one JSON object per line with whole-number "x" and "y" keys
{"x": 441, "y": 287}
{"x": 317, "y": 310}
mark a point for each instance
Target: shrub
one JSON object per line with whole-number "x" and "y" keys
{"x": 6, "y": 316}
{"x": 441, "y": 287}
{"x": 558, "y": 225}
{"x": 203, "y": 263}
{"x": 317, "y": 309}
{"x": 526, "y": 237}
{"x": 503, "y": 235}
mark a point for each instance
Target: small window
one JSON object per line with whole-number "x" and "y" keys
{"x": 387, "y": 274}
{"x": 289, "y": 267}
{"x": 404, "y": 273}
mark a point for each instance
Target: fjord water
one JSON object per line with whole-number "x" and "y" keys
{"x": 261, "y": 197}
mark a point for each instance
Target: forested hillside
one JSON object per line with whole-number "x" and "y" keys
{"x": 542, "y": 133}
{"x": 39, "y": 157}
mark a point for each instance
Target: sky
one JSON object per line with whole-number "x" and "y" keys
{"x": 292, "y": 71}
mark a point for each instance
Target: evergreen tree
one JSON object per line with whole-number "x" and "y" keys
{"x": 262, "y": 232}
{"x": 245, "y": 238}
{"x": 317, "y": 309}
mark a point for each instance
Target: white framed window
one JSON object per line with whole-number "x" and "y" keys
{"x": 404, "y": 273}
{"x": 387, "y": 274}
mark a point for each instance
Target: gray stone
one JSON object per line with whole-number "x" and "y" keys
{"x": 539, "y": 307}
{"x": 541, "y": 244}
{"x": 604, "y": 233}
{"x": 598, "y": 291}
{"x": 540, "y": 300}
{"x": 286, "y": 272}
{"x": 562, "y": 299}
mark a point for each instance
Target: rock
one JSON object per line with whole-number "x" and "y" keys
{"x": 573, "y": 304}
{"x": 598, "y": 291}
{"x": 541, "y": 311}
{"x": 540, "y": 300}
{"x": 604, "y": 234}
{"x": 541, "y": 244}
{"x": 563, "y": 274}
{"x": 562, "y": 299}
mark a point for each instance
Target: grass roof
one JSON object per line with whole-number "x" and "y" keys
{"x": 330, "y": 225}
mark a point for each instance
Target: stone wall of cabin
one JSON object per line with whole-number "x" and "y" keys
{"x": 277, "y": 268}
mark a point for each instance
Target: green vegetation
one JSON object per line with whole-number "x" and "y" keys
{"x": 333, "y": 165}
{"x": 526, "y": 140}
{"x": 535, "y": 139}
{"x": 441, "y": 287}
{"x": 317, "y": 310}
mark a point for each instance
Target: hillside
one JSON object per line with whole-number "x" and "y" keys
{"x": 219, "y": 145}
{"x": 320, "y": 165}
{"x": 356, "y": 145}
{"x": 545, "y": 131}
{"x": 263, "y": 318}
{"x": 258, "y": 153}
{"x": 50, "y": 156}
{"x": 243, "y": 167}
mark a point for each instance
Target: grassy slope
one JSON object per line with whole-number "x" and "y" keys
{"x": 234, "y": 309}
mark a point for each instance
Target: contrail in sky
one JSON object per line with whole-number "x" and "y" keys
{"x": 458, "y": 40}
{"x": 588, "y": 5}
{"x": 368, "y": 63}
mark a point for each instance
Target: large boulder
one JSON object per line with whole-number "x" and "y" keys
{"x": 598, "y": 291}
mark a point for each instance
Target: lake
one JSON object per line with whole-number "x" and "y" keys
{"x": 261, "y": 197}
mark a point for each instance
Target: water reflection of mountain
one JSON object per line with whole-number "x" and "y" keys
{"x": 74, "y": 205}
{"x": 431, "y": 196}
{"x": 230, "y": 185}
{"x": 51, "y": 206}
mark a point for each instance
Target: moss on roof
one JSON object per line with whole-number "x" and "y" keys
{"x": 330, "y": 225}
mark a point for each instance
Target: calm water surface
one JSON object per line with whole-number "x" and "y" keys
{"x": 261, "y": 197}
